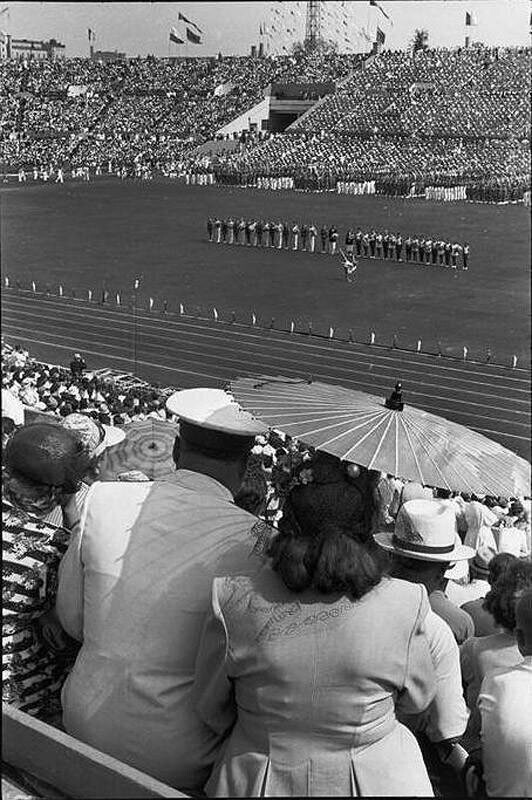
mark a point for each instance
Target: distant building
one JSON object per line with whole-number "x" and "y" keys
{"x": 30, "y": 49}
{"x": 106, "y": 55}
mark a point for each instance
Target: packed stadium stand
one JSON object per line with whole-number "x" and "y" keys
{"x": 436, "y": 117}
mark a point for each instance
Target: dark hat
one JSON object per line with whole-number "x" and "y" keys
{"x": 46, "y": 453}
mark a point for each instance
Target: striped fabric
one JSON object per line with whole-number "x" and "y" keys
{"x": 32, "y": 675}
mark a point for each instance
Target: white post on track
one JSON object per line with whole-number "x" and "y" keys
{"x": 331, "y": 332}
{"x": 514, "y": 361}
{"x": 181, "y": 308}
{"x": 33, "y": 287}
{"x": 6, "y": 282}
{"x": 292, "y": 326}
{"x": 151, "y": 303}
{"x": 465, "y": 351}
{"x": 253, "y": 320}
{"x": 215, "y": 314}
{"x": 372, "y": 337}
{"x": 60, "y": 291}
{"x": 117, "y": 299}
{"x": 419, "y": 345}
{"x": 90, "y": 294}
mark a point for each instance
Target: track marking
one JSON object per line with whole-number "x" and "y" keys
{"x": 428, "y": 406}
{"x": 229, "y": 330}
{"x": 345, "y": 357}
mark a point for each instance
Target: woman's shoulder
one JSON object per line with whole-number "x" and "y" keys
{"x": 231, "y": 589}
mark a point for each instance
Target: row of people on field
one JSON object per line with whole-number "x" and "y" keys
{"x": 259, "y": 233}
{"x": 393, "y": 246}
{"x": 367, "y": 244}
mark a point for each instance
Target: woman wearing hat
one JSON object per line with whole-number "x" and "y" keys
{"x": 96, "y": 439}
{"x": 42, "y": 463}
{"x": 302, "y": 665}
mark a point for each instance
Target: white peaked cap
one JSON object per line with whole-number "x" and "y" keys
{"x": 215, "y": 410}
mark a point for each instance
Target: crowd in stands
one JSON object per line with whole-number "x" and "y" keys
{"x": 404, "y": 122}
{"x": 62, "y": 391}
{"x": 414, "y": 603}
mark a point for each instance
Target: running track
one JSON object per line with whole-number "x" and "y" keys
{"x": 185, "y": 351}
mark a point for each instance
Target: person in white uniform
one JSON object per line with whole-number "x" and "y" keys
{"x": 134, "y": 588}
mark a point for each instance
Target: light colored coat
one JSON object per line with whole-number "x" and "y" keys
{"x": 310, "y": 685}
{"x": 135, "y": 589}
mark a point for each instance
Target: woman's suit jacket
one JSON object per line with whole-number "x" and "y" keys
{"x": 305, "y": 687}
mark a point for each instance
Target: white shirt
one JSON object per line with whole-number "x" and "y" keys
{"x": 473, "y": 590}
{"x": 447, "y": 715}
{"x": 505, "y": 704}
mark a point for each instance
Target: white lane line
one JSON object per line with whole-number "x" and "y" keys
{"x": 428, "y": 406}
{"x": 113, "y": 357}
{"x": 231, "y": 331}
{"x": 217, "y": 341}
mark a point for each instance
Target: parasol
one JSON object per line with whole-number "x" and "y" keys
{"x": 385, "y": 435}
{"x": 147, "y": 447}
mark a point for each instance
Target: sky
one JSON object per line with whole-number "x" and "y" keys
{"x": 139, "y": 28}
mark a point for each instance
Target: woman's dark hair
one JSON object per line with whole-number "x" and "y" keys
{"x": 252, "y": 493}
{"x": 321, "y": 534}
{"x": 501, "y": 599}
{"x": 498, "y": 566}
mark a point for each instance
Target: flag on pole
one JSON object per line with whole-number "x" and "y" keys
{"x": 376, "y": 5}
{"x": 175, "y": 38}
{"x": 193, "y": 37}
{"x": 470, "y": 18}
{"x": 182, "y": 17}
{"x": 91, "y": 35}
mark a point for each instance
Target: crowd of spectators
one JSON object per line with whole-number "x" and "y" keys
{"x": 466, "y": 597}
{"x": 406, "y": 121}
{"x": 61, "y": 391}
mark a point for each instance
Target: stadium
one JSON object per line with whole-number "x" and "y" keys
{"x": 332, "y": 230}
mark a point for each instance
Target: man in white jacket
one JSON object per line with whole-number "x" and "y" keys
{"x": 135, "y": 586}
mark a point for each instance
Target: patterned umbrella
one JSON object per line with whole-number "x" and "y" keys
{"x": 385, "y": 435}
{"x": 147, "y": 448}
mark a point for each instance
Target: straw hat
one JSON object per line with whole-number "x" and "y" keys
{"x": 425, "y": 530}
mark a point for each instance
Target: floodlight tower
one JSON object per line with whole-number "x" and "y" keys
{"x": 313, "y": 25}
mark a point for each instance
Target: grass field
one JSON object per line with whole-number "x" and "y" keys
{"x": 83, "y": 236}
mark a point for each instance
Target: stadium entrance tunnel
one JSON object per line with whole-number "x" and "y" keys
{"x": 282, "y": 105}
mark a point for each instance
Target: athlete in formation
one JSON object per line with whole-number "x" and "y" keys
{"x": 385, "y": 246}
{"x": 280, "y": 235}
